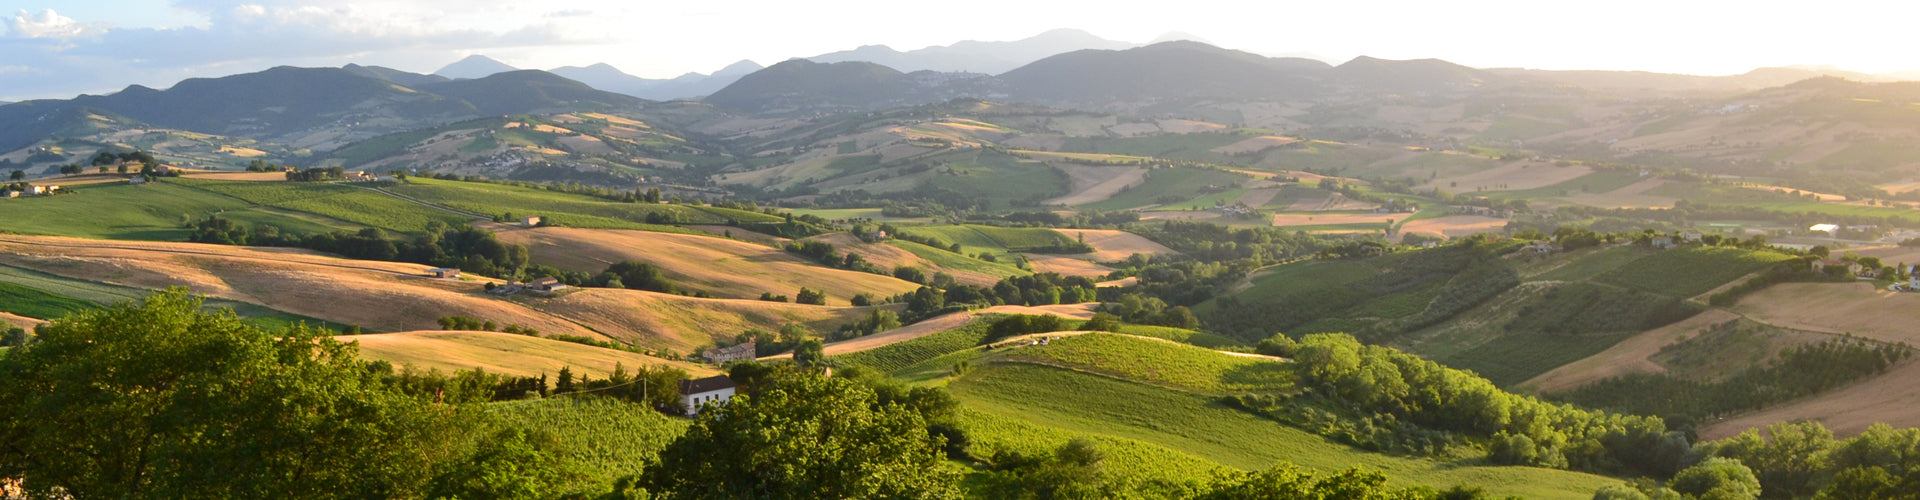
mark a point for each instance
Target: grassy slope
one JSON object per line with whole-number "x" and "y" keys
{"x": 563, "y": 208}
{"x": 155, "y": 211}
{"x": 1153, "y": 422}
{"x": 338, "y": 201}
{"x": 1183, "y": 183}
{"x": 1691, "y": 270}
{"x": 975, "y": 240}
{"x": 955, "y": 261}
{"x": 38, "y": 304}
{"x": 600, "y": 440}
{"x": 73, "y": 295}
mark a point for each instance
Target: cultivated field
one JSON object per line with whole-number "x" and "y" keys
{"x": 1255, "y": 145}
{"x": 1510, "y": 176}
{"x": 718, "y": 266}
{"x": 1890, "y": 398}
{"x": 1856, "y": 308}
{"x": 239, "y": 176}
{"x": 19, "y": 321}
{"x": 1453, "y": 226}
{"x": 380, "y": 296}
{"x": 943, "y": 323}
{"x": 1111, "y": 245}
{"x": 1633, "y": 355}
{"x": 1066, "y": 266}
{"x": 1326, "y": 219}
{"x": 1631, "y": 196}
{"x": 504, "y": 353}
{"x": 1094, "y": 183}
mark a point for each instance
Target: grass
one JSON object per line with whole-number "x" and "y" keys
{"x": 1195, "y": 146}
{"x": 954, "y": 261}
{"x": 599, "y": 439}
{"x": 1594, "y": 264}
{"x": 1181, "y": 335}
{"x": 38, "y": 304}
{"x": 1155, "y": 362}
{"x": 1149, "y": 423}
{"x": 1513, "y": 359}
{"x": 566, "y": 209}
{"x": 1183, "y": 183}
{"x": 974, "y": 239}
{"x": 337, "y": 201}
{"x": 898, "y": 356}
{"x": 1598, "y": 182}
{"x": 1691, "y": 270}
{"x": 157, "y": 211}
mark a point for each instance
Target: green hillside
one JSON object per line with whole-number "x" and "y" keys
{"x": 359, "y": 205}
{"x": 976, "y": 239}
{"x": 158, "y": 211}
{"x": 574, "y": 210}
{"x": 1171, "y": 186}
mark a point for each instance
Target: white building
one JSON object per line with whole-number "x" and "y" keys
{"x": 715, "y": 390}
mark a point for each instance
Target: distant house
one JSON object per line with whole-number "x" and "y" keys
{"x": 715, "y": 390}
{"x": 1690, "y": 236}
{"x": 1662, "y": 242}
{"x": 9, "y": 194}
{"x": 721, "y": 355}
{"x": 530, "y": 221}
{"x": 1541, "y": 247}
{"x": 547, "y": 285}
{"x": 444, "y": 272}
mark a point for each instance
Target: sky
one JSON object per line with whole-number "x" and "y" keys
{"x": 57, "y": 49}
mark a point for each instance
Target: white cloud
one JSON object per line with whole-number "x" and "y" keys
{"x": 48, "y": 24}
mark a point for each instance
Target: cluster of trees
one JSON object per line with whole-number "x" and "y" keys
{"x": 468, "y": 323}
{"x": 15, "y": 337}
{"x": 1794, "y": 372}
{"x": 470, "y": 249}
{"x": 317, "y": 174}
{"x": 1142, "y": 309}
{"x": 1368, "y": 380}
{"x": 1031, "y": 290}
{"x": 876, "y": 321}
{"x": 1081, "y": 219}
{"x": 259, "y": 165}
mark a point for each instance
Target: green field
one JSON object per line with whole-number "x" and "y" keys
{"x": 158, "y": 211}
{"x": 1690, "y": 270}
{"x": 975, "y": 239}
{"x": 1187, "y": 184}
{"x": 895, "y": 357}
{"x": 1194, "y": 147}
{"x": 872, "y": 214}
{"x": 1597, "y": 182}
{"x": 1169, "y": 434}
{"x": 82, "y": 294}
{"x": 954, "y": 261}
{"x": 1513, "y": 359}
{"x": 338, "y": 201}
{"x": 38, "y": 304}
{"x": 566, "y": 209}
{"x": 1167, "y": 364}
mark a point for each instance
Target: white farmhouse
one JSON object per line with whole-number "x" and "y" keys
{"x": 711, "y": 390}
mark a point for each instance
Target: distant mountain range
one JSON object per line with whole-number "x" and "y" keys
{"x": 606, "y": 77}
{"x": 308, "y": 107}
{"x": 976, "y": 57}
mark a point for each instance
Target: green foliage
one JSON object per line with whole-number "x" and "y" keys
{"x": 1717, "y": 479}
{"x": 1579, "y": 308}
{"x": 634, "y": 275}
{"x": 999, "y": 241}
{"x": 805, "y": 436}
{"x": 809, "y": 352}
{"x": 209, "y": 408}
{"x": 1022, "y": 324}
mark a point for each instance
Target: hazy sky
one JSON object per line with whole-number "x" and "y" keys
{"x": 59, "y": 48}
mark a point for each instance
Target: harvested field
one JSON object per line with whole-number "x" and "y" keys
{"x": 1891, "y": 398}
{"x": 889, "y": 257}
{"x": 19, "y": 321}
{"x": 1328, "y": 201}
{"x": 586, "y": 144}
{"x": 1454, "y": 226}
{"x": 1094, "y": 183}
{"x": 1258, "y": 197}
{"x": 382, "y": 296}
{"x": 1111, "y": 245}
{"x": 1066, "y": 266}
{"x": 1325, "y": 219}
{"x": 682, "y": 323}
{"x": 1255, "y": 145}
{"x": 1179, "y": 215}
{"x": 240, "y": 176}
{"x": 503, "y": 353}
{"x": 1891, "y": 255}
{"x": 738, "y": 234}
{"x": 1856, "y": 308}
{"x": 1515, "y": 176}
{"x": 1633, "y": 355}
{"x": 943, "y": 323}
{"x": 1632, "y": 196}
{"x": 1178, "y": 126}
{"x": 718, "y": 266}
{"x": 1903, "y": 186}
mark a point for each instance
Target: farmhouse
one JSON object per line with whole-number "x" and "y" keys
{"x": 547, "y": 285}
{"x": 444, "y": 272}
{"x": 721, "y": 355}
{"x": 1690, "y": 236}
{"x": 530, "y": 221}
{"x": 1540, "y": 247}
{"x": 714, "y": 390}
{"x": 1662, "y": 242}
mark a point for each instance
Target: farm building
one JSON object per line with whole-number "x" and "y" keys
{"x": 547, "y": 285}
{"x": 720, "y": 355}
{"x": 1541, "y": 247}
{"x": 711, "y": 390}
{"x": 9, "y": 194}
{"x": 530, "y": 221}
{"x": 444, "y": 272}
{"x": 1662, "y": 242}
{"x": 1690, "y": 236}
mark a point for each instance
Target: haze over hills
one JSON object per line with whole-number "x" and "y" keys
{"x": 975, "y": 56}
{"x": 606, "y": 77}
